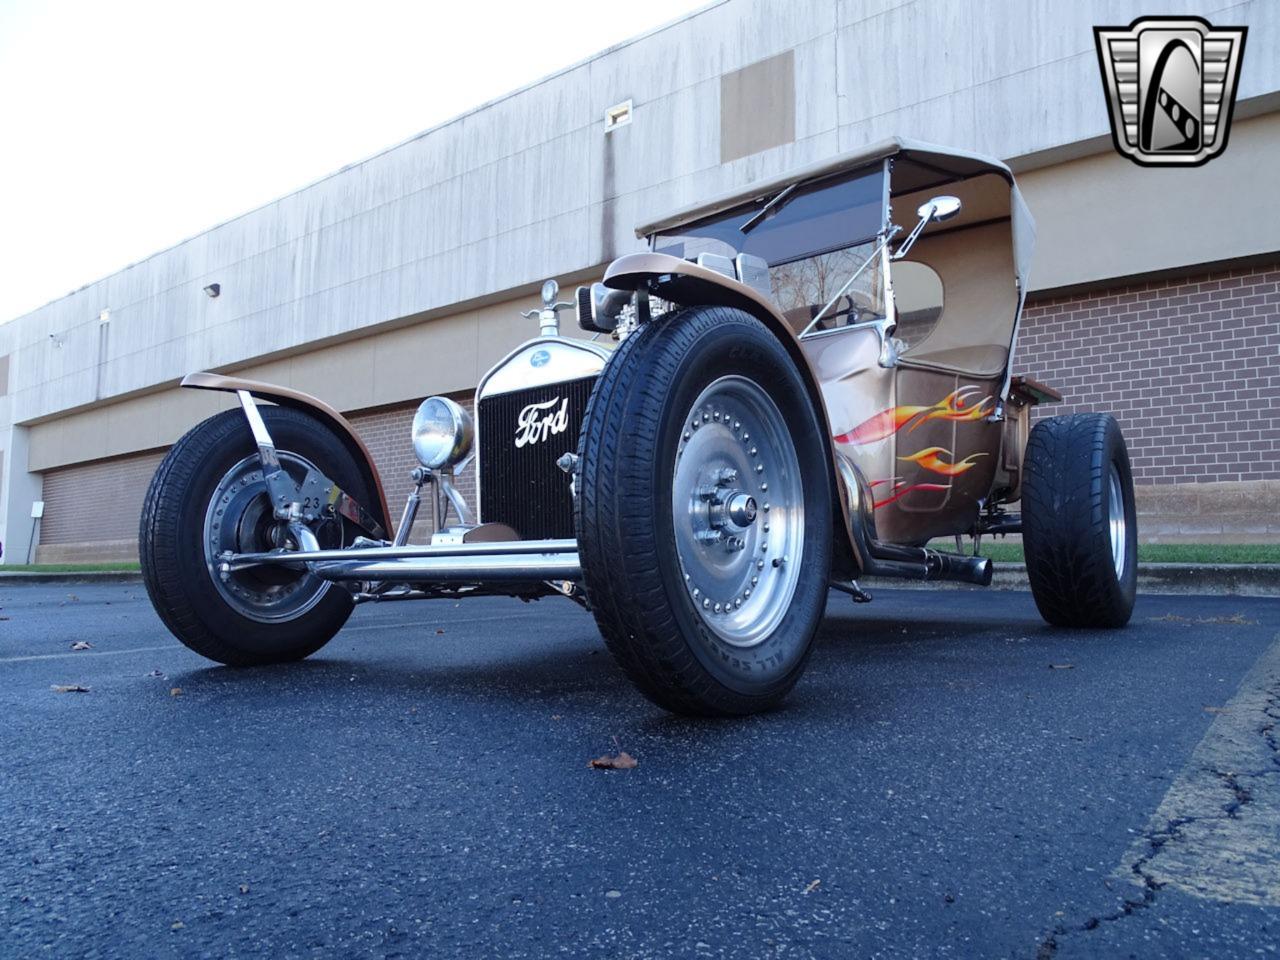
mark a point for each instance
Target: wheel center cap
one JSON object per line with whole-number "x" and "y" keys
{"x": 742, "y": 509}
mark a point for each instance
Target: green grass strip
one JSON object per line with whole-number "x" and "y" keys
{"x": 123, "y": 566}
{"x": 1003, "y": 552}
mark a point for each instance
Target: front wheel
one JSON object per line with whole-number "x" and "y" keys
{"x": 208, "y": 497}
{"x": 1079, "y": 525}
{"x": 704, "y": 512}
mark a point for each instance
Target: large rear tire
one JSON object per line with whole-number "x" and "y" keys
{"x": 704, "y": 513}
{"x": 207, "y": 496}
{"x": 1079, "y": 524}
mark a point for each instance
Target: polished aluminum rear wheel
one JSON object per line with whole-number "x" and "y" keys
{"x": 1118, "y": 526}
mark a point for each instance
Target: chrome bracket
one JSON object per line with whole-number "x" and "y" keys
{"x": 454, "y": 498}
{"x": 283, "y": 491}
{"x": 852, "y": 589}
{"x": 317, "y": 496}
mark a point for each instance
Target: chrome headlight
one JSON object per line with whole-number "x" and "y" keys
{"x": 442, "y": 433}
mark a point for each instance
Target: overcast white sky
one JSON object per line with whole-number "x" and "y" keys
{"x": 127, "y": 126}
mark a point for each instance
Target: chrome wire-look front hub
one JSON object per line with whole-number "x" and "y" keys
{"x": 240, "y": 519}
{"x": 738, "y": 510}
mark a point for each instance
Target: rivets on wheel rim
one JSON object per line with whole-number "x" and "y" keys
{"x": 740, "y": 456}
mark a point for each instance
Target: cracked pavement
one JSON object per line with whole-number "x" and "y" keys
{"x": 951, "y": 778}
{"x": 1216, "y": 834}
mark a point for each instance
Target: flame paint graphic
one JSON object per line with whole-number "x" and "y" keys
{"x": 954, "y": 406}
{"x": 900, "y": 491}
{"x": 931, "y": 459}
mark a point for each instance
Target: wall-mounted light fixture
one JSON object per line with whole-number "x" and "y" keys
{"x": 104, "y": 316}
{"x": 57, "y": 340}
{"x": 213, "y": 289}
{"x": 619, "y": 115}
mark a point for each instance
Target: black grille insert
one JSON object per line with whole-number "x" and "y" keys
{"x": 521, "y": 486}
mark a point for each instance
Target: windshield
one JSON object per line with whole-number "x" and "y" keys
{"x": 803, "y": 288}
{"x": 817, "y": 218}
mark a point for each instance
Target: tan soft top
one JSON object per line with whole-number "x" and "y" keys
{"x": 958, "y": 162}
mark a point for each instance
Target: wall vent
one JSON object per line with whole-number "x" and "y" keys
{"x": 619, "y": 115}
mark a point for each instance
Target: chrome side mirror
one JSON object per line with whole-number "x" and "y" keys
{"x": 937, "y": 209}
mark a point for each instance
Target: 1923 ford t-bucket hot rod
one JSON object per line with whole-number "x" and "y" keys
{"x": 812, "y": 381}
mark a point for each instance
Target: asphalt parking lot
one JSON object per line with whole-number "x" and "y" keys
{"x": 951, "y": 778}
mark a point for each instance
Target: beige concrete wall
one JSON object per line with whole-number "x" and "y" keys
{"x": 1104, "y": 217}
{"x": 1242, "y": 511}
{"x": 398, "y": 365}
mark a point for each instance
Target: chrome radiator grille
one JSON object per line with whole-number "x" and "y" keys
{"x": 520, "y": 485}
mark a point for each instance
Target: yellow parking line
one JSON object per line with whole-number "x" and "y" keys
{"x": 1216, "y": 834}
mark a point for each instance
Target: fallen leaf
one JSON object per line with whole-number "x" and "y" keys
{"x": 68, "y": 688}
{"x": 177, "y": 925}
{"x": 82, "y": 645}
{"x": 73, "y": 598}
{"x": 1062, "y": 666}
{"x": 813, "y": 885}
{"x": 556, "y": 716}
{"x": 244, "y": 888}
{"x": 155, "y": 673}
{"x": 618, "y": 761}
{"x": 613, "y": 894}
{"x": 439, "y": 633}
{"x": 175, "y": 691}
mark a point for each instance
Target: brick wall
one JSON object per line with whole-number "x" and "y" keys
{"x": 386, "y": 431}
{"x": 1189, "y": 367}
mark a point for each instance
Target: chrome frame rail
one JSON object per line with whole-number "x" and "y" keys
{"x": 510, "y": 561}
{"x": 509, "y": 568}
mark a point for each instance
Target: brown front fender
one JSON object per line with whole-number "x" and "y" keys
{"x": 689, "y": 284}
{"x": 339, "y": 424}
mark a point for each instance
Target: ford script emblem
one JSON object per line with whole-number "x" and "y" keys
{"x": 538, "y": 421}
{"x": 540, "y": 359}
